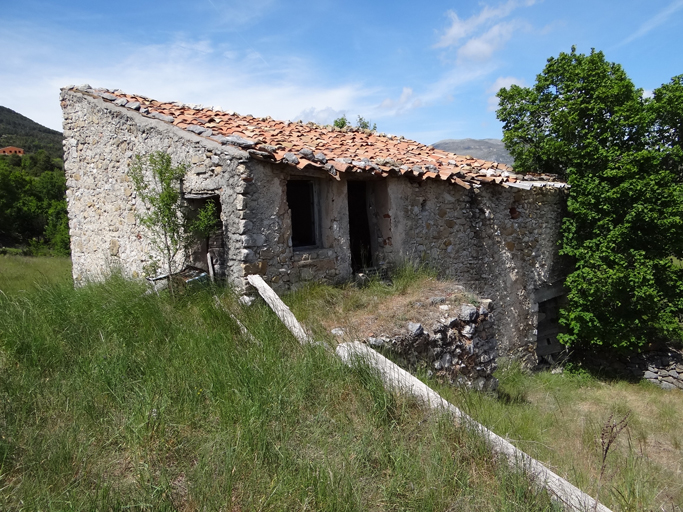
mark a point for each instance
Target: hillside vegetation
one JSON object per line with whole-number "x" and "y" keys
{"x": 111, "y": 398}
{"x": 20, "y": 131}
{"x": 33, "y": 212}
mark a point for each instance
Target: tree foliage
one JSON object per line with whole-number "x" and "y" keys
{"x": 621, "y": 153}
{"x": 158, "y": 185}
{"x": 32, "y": 204}
{"x": 361, "y": 122}
{"x": 20, "y": 131}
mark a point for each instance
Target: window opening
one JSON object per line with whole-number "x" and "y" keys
{"x": 301, "y": 202}
{"x": 359, "y": 227}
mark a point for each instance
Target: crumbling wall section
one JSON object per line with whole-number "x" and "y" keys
{"x": 499, "y": 242}
{"x": 461, "y": 349}
{"x": 101, "y": 141}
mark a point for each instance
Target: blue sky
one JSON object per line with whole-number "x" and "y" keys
{"x": 427, "y": 70}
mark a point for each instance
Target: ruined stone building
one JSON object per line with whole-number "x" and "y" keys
{"x": 302, "y": 202}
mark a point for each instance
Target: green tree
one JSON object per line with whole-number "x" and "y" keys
{"x": 32, "y": 203}
{"x": 158, "y": 185}
{"x": 585, "y": 120}
{"x": 341, "y": 122}
{"x": 364, "y": 124}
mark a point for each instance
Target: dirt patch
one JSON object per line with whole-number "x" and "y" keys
{"x": 429, "y": 302}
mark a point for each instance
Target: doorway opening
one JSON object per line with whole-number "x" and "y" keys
{"x": 359, "y": 227}
{"x": 207, "y": 250}
{"x": 547, "y": 345}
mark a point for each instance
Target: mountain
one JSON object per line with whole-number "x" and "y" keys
{"x": 20, "y": 131}
{"x": 492, "y": 150}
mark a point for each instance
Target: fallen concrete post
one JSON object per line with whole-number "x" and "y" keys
{"x": 280, "y": 308}
{"x": 400, "y": 381}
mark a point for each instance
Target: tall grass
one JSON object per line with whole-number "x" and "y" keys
{"x": 111, "y": 398}
{"x": 558, "y": 419}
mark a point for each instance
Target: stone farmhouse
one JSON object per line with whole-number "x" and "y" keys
{"x": 301, "y": 202}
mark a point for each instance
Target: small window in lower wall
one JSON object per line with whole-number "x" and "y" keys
{"x": 301, "y": 202}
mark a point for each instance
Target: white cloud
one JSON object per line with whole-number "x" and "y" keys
{"x": 482, "y": 48}
{"x": 187, "y": 70}
{"x": 502, "y": 81}
{"x": 657, "y": 20}
{"x": 478, "y": 37}
{"x": 406, "y": 101}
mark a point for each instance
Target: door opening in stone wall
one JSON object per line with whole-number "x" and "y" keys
{"x": 302, "y": 207}
{"x": 547, "y": 345}
{"x": 359, "y": 227}
{"x": 211, "y": 246}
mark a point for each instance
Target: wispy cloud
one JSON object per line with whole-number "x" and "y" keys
{"x": 482, "y": 48}
{"x": 478, "y": 36}
{"x": 503, "y": 81}
{"x": 406, "y": 101}
{"x": 185, "y": 69}
{"x": 657, "y": 20}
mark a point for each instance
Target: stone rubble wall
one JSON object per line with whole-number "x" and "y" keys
{"x": 462, "y": 350}
{"x": 100, "y": 143}
{"x": 499, "y": 242}
{"x": 662, "y": 366}
{"x": 267, "y": 249}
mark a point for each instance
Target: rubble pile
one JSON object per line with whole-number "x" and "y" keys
{"x": 461, "y": 350}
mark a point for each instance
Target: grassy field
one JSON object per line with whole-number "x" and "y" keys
{"x": 21, "y": 273}
{"x": 111, "y": 399}
{"x": 559, "y": 418}
{"x": 556, "y": 418}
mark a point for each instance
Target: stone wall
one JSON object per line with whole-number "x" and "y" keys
{"x": 499, "y": 242}
{"x": 267, "y": 248}
{"x": 100, "y": 143}
{"x": 461, "y": 350}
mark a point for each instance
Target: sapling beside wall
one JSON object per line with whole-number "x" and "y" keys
{"x": 158, "y": 185}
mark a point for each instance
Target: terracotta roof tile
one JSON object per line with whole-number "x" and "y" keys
{"x": 347, "y": 149}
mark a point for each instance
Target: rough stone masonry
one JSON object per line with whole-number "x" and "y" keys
{"x": 461, "y": 350}
{"x": 472, "y": 221}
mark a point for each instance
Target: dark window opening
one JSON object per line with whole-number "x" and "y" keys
{"x": 301, "y": 202}
{"x": 549, "y": 326}
{"x": 359, "y": 228}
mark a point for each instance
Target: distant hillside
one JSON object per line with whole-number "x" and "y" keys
{"x": 20, "y": 131}
{"x": 485, "y": 149}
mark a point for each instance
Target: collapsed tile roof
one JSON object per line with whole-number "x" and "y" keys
{"x": 333, "y": 149}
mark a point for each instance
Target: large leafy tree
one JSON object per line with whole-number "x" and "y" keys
{"x": 32, "y": 203}
{"x": 622, "y": 154}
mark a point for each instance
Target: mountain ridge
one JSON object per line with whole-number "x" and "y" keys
{"x": 22, "y": 132}
{"x": 492, "y": 150}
